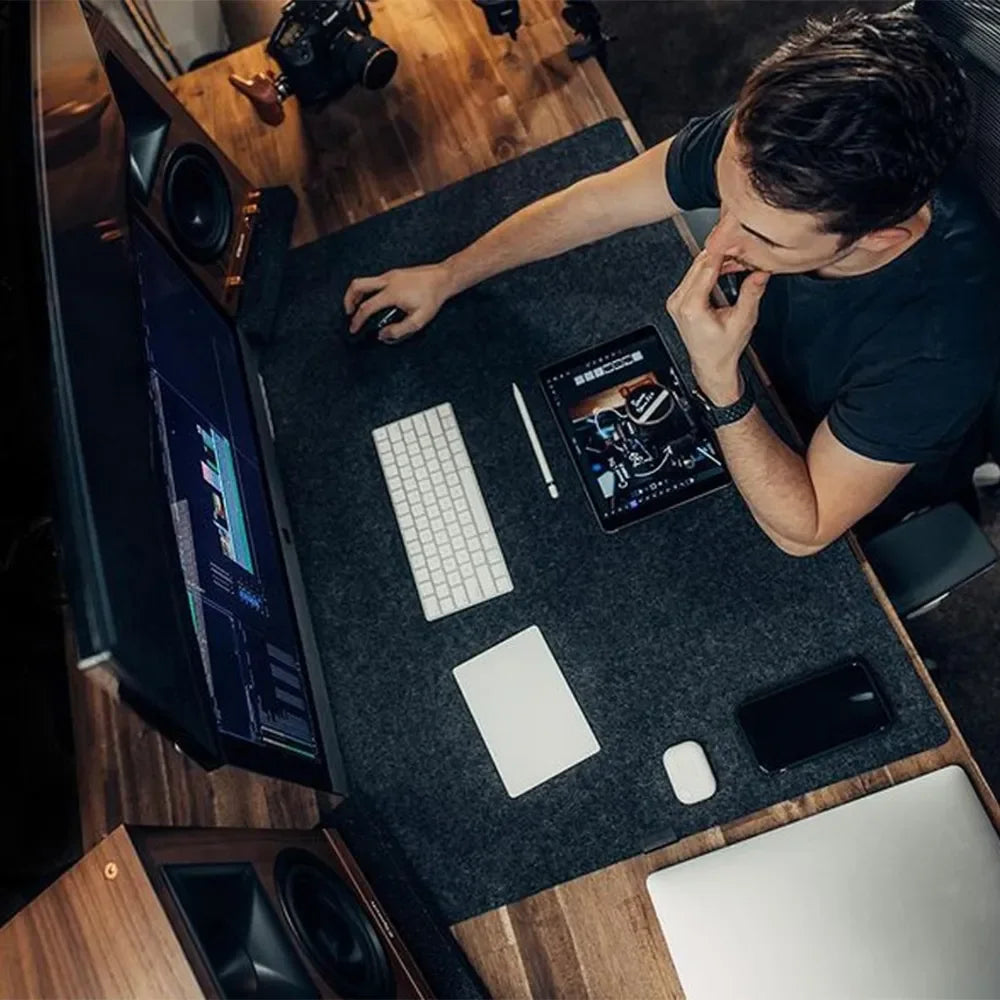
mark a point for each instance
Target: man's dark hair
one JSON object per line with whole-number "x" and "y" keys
{"x": 854, "y": 120}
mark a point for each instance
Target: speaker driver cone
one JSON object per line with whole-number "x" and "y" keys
{"x": 332, "y": 926}
{"x": 197, "y": 203}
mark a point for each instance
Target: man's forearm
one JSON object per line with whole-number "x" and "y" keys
{"x": 632, "y": 194}
{"x": 774, "y": 481}
{"x": 545, "y": 228}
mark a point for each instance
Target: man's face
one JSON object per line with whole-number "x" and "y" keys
{"x": 765, "y": 238}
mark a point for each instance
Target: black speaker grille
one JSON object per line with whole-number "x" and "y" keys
{"x": 197, "y": 203}
{"x": 333, "y": 927}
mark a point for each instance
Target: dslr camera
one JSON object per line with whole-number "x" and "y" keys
{"x": 323, "y": 49}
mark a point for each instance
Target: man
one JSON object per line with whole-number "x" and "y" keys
{"x": 871, "y": 274}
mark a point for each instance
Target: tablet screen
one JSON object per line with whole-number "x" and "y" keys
{"x": 639, "y": 442}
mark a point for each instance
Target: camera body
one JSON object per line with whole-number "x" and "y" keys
{"x": 325, "y": 47}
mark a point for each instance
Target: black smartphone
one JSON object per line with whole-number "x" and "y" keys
{"x": 812, "y": 715}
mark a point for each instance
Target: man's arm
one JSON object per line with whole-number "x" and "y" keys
{"x": 630, "y": 195}
{"x": 803, "y": 503}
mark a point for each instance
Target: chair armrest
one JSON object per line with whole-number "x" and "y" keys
{"x": 921, "y": 560}
{"x": 701, "y": 221}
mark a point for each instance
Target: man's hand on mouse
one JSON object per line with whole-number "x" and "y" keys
{"x": 715, "y": 337}
{"x": 418, "y": 291}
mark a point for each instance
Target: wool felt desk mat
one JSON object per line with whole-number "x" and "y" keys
{"x": 661, "y": 629}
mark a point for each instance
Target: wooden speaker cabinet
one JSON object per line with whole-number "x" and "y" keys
{"x": 182, "y": 183}
{"x": 156, "y": 912}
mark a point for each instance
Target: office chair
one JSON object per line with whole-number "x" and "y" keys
{"x": 922, "y": 559}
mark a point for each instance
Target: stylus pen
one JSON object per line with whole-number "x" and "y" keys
{"x": 536, "y": 445}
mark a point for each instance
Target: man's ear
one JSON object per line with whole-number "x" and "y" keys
{"x": 883, "y": 239}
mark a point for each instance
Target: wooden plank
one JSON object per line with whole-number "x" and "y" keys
{"x": 98, "y": 932}
{"x": 462, "y": 100}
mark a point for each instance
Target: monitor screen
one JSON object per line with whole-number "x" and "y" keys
{"x": 230, "y": 553}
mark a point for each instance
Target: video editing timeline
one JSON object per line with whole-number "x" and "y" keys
{"x": 229, "y": 553}
{"x": 637, "y": 438}
{"x": 218, "y": 471}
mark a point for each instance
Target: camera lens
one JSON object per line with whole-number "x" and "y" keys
{"x": 367, "y": 59}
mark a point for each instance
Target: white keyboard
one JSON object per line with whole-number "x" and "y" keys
{"x": 453, "y": 550}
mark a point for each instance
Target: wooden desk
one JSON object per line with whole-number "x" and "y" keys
{"x": 461, "y": 101}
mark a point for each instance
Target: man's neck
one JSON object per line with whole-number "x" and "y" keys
{"x": 859, "y": 260}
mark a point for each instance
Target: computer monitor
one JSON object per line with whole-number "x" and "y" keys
{"x": 229, "y": 547}
{"x": 144, "y": 369}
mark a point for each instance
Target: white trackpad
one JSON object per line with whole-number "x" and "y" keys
{"x": 689, "y": 772}
{"x": 526, "y": 713}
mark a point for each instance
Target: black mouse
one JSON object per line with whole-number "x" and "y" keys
{"x": 369, "y": 330}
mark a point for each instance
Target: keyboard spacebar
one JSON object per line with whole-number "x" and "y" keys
{"x": 475, "y": 498}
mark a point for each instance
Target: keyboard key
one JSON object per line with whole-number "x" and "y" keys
{"x": 481, "y": 517}
{"x": 486, "y": 581}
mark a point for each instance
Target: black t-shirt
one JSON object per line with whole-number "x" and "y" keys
{"x": 903, "y": 360}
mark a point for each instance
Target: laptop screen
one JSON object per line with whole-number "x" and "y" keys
{"x": 230, "y": 554}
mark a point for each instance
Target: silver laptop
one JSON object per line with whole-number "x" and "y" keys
{"x": 896, "y": 894}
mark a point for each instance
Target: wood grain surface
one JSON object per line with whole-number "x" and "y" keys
{"x": 98, "y": 932}
{"x": 461, "y": 101}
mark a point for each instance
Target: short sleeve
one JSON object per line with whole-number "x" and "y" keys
{"x": 921, "y": 412}
{"x": 691, "y": 160}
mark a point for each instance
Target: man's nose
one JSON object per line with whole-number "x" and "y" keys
{"x": 723, "y": 237}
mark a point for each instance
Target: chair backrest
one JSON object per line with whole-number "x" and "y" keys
{"x": 972, "y": 27}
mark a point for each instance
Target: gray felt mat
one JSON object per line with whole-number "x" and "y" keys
{"x": 661, "y": 629}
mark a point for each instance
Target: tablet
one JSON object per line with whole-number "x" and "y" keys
{"x": 639, "y": 442}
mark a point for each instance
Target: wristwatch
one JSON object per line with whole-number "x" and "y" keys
{"x": 720, "y": 416}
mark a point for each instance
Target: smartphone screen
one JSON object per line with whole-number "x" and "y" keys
{"x": 813, "y": 715}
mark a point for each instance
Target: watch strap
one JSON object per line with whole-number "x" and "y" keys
{"x": 720, "y": 416}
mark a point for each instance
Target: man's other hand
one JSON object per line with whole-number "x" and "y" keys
{"x": 418, "y": 291}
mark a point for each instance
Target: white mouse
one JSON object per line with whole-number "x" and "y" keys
{"x": 689, "y": 772}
